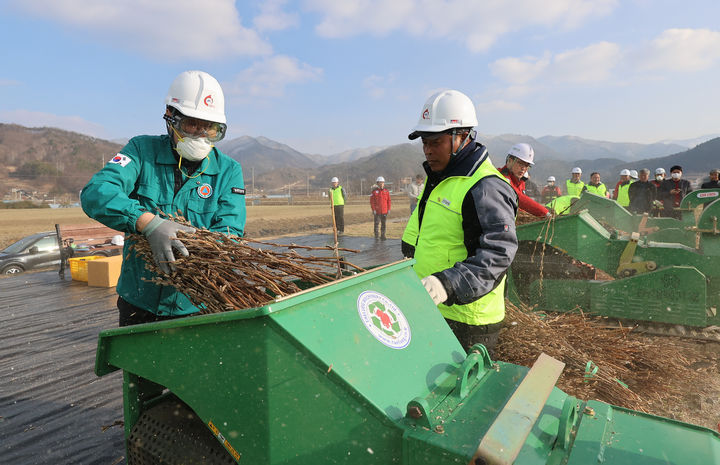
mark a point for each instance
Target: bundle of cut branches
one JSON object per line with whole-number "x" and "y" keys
{"x": 602, "y": 362}
{"x": 226, "y": 272}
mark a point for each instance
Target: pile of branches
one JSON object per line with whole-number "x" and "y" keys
{"x": 225, "y": 272}
{"x": 602, "y": 362}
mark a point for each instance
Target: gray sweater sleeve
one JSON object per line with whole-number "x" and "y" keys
{"x": 490, "y": 239}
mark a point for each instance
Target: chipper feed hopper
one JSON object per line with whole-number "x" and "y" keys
{"x": 609, "y": 262}
{"x": 363, "y": 370}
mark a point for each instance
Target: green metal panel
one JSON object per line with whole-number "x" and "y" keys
{"x": 675, "y": 295}
{"x": 699, "y": 197}
{"x": 316, "y": 378}
{"x": 613, "y": 435}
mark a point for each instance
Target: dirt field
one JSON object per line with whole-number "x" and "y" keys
{"x": 262, "y": 221}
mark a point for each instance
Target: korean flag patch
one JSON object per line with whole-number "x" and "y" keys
{"x": 120, "y": 159}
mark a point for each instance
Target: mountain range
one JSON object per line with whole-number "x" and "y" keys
{"x": 54, "y": 161}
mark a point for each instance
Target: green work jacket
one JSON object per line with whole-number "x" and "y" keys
{"x": 140, "y": 179}
{"x": 439, "y": 244}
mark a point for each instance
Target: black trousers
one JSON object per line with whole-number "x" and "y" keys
{"x": 468, "y": 335}
{"x": 339, "y": 217}
{"x": 132, "y": 315}
{"x": 379, "y": 219}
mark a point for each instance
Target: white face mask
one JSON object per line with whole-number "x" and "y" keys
{"x": 194, "y": 149}
{"x": 676, "y": 175}
{"x": 659, "y": 177}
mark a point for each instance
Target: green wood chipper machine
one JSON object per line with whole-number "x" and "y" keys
{"x": 363, "y": 370}
{"x": 606, "y": 261}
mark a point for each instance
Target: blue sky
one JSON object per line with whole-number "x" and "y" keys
{"x": 329, "y": 75}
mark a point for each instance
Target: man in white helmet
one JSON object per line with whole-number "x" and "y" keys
{"x": 155, "y": 175}
{"x": 519, "y": 159}
{"x": 380, "y": 204}
{"x": 622, "y": 189}
{"x": 574, "y": 186}
{"x": 338, "y": 196}
{"x": 462, "y": 233}
{"x": 550, "y": 192}
{"x": 659, "y": 177}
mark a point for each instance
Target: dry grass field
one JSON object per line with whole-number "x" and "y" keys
{"x": 262, "y": 221}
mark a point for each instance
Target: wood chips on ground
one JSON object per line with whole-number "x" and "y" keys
{"x": 658, "y": 375}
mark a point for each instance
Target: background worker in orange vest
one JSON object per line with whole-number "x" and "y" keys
{"x": 380, "y": 204}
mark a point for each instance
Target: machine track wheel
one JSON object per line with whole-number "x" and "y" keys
{"x": 170, "y": 433}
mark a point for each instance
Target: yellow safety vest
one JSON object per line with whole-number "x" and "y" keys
{"x": 623, "y": 197}
{"x": 574, "y": 189}
{"x": 337, "y": 197}
{"x": 439, "y": 244}
{"x": 600, "y": 189}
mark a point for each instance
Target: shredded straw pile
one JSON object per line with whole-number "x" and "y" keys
{"x": 225, "y": 272}
{"x": 609, "y": 364}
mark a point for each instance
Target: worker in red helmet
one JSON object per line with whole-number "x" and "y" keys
{"x": 519, "y": 159}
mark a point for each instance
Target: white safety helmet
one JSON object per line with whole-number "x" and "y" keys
{"x": 334, "y": 179}
{"x": 380, "y": 179}
{"x": 523, "y": 152}
{"x": 634, "y": 174}
{"x": 660, "y": 171}
{"x": 625, "y": 172}
{"x": 445, "y": 110}
{"x": 198, "y": 95}
{"x": 576, "y": 170}
{"x": 551, "y": 179}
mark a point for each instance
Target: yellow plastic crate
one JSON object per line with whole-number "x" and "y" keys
{"x": 78, "y": 267}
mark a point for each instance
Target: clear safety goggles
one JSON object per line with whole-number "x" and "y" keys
{"x": 194, "y": 127}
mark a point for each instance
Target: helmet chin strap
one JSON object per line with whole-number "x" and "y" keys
{"x": 468, "y": 137}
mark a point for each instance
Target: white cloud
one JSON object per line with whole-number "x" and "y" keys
{"x": 593, "y": 63}
{"x": 679, "y": 50}
{"x": 590, "y": 64}
{"x": 519, "y": 70}
{"x": 168, "y": 29}
{"x": 475, "y": 23}
{"x": 675, "y": 50}
{"x": 273, "y": 18}
{"x": 269, "y": 78}
{"x": 377, "y": 85}
{"x": 39, "y": 119}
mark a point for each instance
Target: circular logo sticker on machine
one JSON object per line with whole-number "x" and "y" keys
{"x": 383, "y": 319}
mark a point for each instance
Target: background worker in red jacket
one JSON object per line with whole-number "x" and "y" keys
{"x": 519, "y": 159}
{"x": 380, "y": 205}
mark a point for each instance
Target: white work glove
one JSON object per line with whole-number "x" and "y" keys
{"x": 162, "y": 236}
{"x": 435, "y": 288}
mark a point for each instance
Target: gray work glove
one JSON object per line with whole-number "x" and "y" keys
{"x": 161, "y": 234}
{"x": 435, "y": 288}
